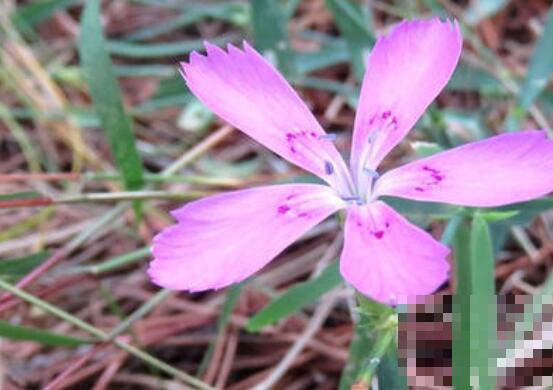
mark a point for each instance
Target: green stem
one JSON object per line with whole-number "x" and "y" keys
{"x": 380, "y": 347}
{"x": 115, "y": 263}
{"x": 139, "y": 313}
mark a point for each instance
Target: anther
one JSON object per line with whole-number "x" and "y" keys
{"x": 328, "y": 137}
{"x": 372, "y": 173}
{"x": 351, "y": 198}
{"x": 329, "y": 168}
{"x": 372, "y": 137}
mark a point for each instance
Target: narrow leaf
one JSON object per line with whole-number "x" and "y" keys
{"x": 295, "y": 298}
{"x": 21, "y": 333}
{"x": 461, "y": 310}
{"x": 149, "y": 50}
{"x": 541, "y": 66}
{"x": 353, "y": 20}
{"x": 270, "y": 29}
{"x": 475, "y": 322}
{"x": 359, "y": 348}
{"x": 106, "y": 96}
{"x": 38, "y": 11}
{"x": 390, "y": 375}
{"x": 20, "y": 266}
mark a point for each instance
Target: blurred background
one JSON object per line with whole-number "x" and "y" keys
{"x": 99, "y": 139}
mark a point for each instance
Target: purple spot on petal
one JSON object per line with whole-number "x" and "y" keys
{"x": 387, "y": 224}
{"x": 420, "y": 189}
{"x": 378, "y": 234}
{"x": 434, "y": 174}
{"x": 386, "y": 114}
{"x": 283, "y": 209}
{"x": 303, "y": 215}
{"x": 313, "y": 134}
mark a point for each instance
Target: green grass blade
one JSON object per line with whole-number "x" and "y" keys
{"x": 150, "y": 50}
{"x": 461, "y": 310}
{"x": 106, "y": 96}
{"x": 270, "y": 29}
{"x": 20, "y": 195}
{"x": 483, "y": 317}
{"x": 353, "y": 20}
{"x": 235, "y": 13}
{"x": 537, "y": 77}
{"x": 475, "y": 310}
{"x": 389, "y": 374}
{"x": 541, "y": 66}
{"x": 295, "y": 298}
{"x": 20, "y": 266}
{"x": 22, "y": 333}
{"x": 359, "y": 349}
{"x": 325, "y": 57}
{"x": 38, "y": 11}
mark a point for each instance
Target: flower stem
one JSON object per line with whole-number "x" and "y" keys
{"x": 379, "y": 349}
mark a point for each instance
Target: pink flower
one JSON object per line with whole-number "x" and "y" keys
{"x": 223, "y": 239}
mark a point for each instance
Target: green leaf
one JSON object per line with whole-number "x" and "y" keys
{"x": 353, "y": 21}
{"x": 270, "y": 30}
{"x": 493, "y": 216}
{"x": 524, "y": 212}
{"x": 537, "y": 77}
{"x": 106, "y": 96}
{"x": 21, "y": 333}
{"x": 541, "y": 66}
{"x": 390, "y": 375}
{"x": 38, "y": 11}
{"x": 345, "y": 90}
{"x": 382, "y": 323}
{"x": 235, "y": 13}
{"x": 359, "y": 348}
{"x": 20, "y": 195}
{"x": 475, "y": 308}
{"x": 149, "y": 50}
{"x": 295, "y": 298}
{"x": 425, "y": 149}
{"x": 468, "y": 78}
{"x": 461, "y": 310}
{"x": 421, "y": 213}
{"x": 20, "y": 266}
{"x": 323, "y": 58}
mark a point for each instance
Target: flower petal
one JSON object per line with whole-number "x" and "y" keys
{"x": 405, "y": 72}
{"x": 223, "y": 239}
{"x": 387, "y": 258}
{"x": 507, "y": 168}
{"x": 245, "y": 90}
